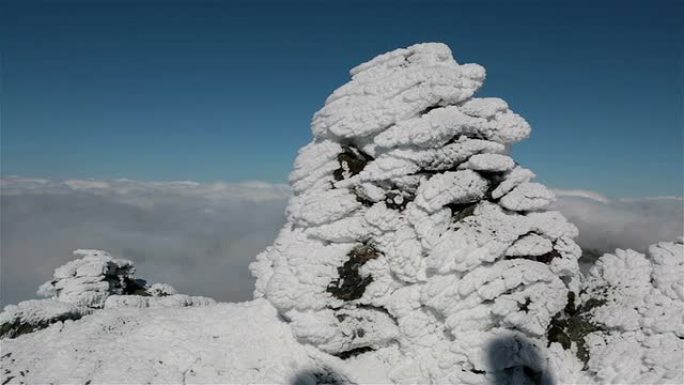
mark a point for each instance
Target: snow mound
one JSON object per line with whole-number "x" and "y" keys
{"x": 212, "y": 344}
{"x": 412, "y": 229}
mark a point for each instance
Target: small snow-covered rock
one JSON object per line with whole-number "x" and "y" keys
{"x": 95, "y": 281}
{"x": 88, "y": 281}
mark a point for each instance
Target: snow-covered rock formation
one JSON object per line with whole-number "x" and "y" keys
{"x": 94, "y": 281}
{"x": 634, "y": 305}
{"x": 89, "y": 280}
{"x": 412, "y": 229}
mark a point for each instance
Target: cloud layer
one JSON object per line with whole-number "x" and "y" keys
{"x": 606, "y": 223}
{"x": 197, "y": 237}
{"x": 200, "y": 237}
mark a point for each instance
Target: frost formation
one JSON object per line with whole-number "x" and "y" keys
{"x": 412, "y": 229}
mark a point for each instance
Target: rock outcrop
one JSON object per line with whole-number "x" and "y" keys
{"x": 89, "y": 280}
{"x": 79, "y": 287}
{"x": 636, "y": 304}
{"x": 412, "y": 229}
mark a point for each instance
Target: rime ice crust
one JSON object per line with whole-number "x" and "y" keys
{"x": 640, "y": 317}
{"x": 411, "y": 227}
{"x": 89, "y": 280}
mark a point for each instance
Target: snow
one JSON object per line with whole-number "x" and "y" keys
{"x": 213, "y": 344}
{"x": 416, "y": 250}
{"x": 489, "y": 162}
{"x": 527, "y": 197}
{"x": 88, "y": 281}
{"x": 36, "y": 314}
{"x": 643, "y": 315}
{"x": 406, "y": 162}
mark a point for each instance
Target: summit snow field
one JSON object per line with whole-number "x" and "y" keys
{"x": 415, "y": 250}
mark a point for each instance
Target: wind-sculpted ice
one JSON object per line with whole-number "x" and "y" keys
{"x": 411, "y": 228}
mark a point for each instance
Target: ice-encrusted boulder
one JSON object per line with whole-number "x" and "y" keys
{"x": 412, "y": 230}
{"x": 95, "y": 281}
{"x": 631, "y": 318}
{"x": 99, "y": 280}
{"x": 89, "y": 280}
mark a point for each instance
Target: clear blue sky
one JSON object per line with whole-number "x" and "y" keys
{"x": 211, "y": 91}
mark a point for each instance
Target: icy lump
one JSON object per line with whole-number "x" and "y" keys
{"x": 412, "y": 228}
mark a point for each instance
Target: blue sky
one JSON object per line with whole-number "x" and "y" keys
{"x": 212, "y": 91}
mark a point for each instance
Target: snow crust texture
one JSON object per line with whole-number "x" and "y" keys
{"x": 411, "y": 228}
{"x": 641, "y": 316}
{"x": 211, "y": 344}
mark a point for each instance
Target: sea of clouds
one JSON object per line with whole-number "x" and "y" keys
{"x": 200, "y": 237}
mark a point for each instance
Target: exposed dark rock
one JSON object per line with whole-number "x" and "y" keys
{"x": 548, "y": 257}
{"x": 494, "y": 178}
{"x": 134, "y": 287}
{"x": 351, "y": 285}
{"x": 545, "y": 258}
{"x": 525, "y": 306}
{"x": 430, "y": 108}
{"x": 573, "y": 324}
{"x": 352, "y": 161}
{"x": 322, "y": 376}
{"x": 353, "y": 352}
{"x": 460, "y": 211}
{"x": 397, "y": 200}
{"x": 19, "y": 326}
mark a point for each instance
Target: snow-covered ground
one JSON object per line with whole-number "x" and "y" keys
{"x": 416, "y": 250}
{"x": 222, "y": 343}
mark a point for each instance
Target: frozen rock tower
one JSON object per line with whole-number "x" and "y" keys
{"x": 413, "y": 234}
